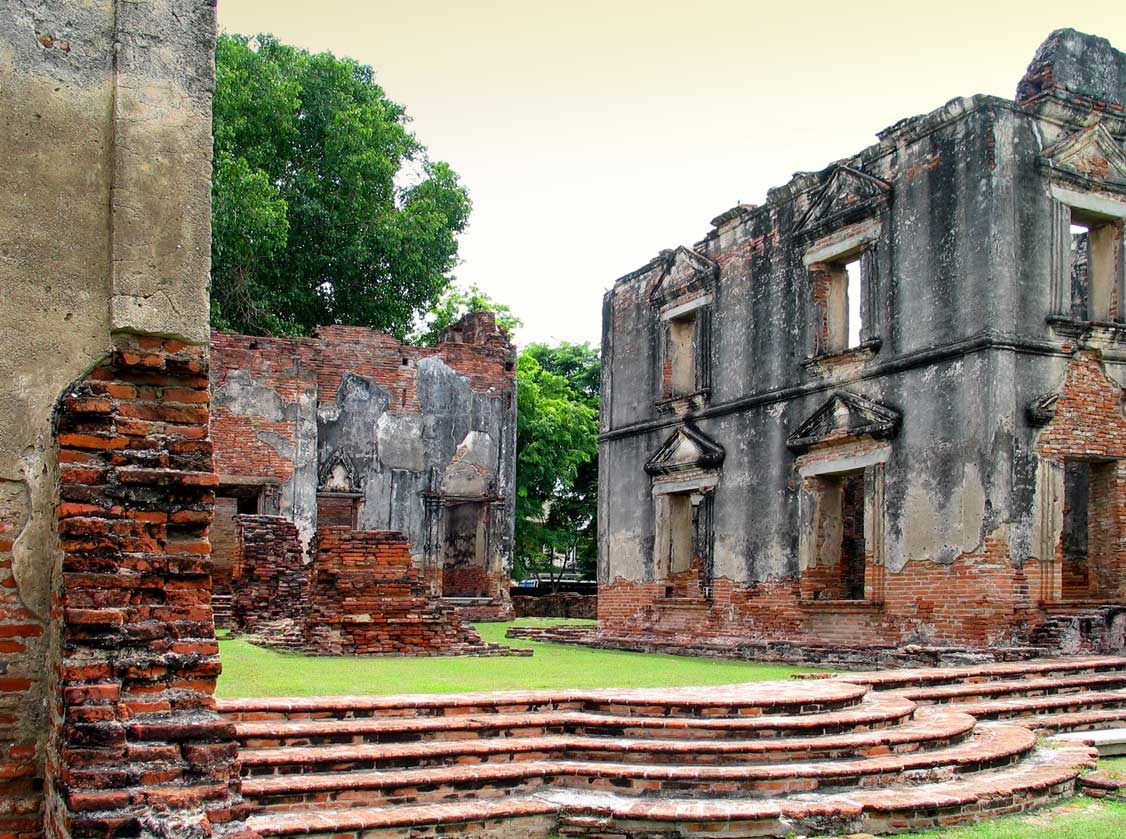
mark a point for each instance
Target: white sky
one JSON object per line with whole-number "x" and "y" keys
{"x": 593, "y": 134}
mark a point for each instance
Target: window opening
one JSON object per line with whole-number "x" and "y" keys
{"x": 1094, "y": 266}
{"x": 852, "y": 271}
{"x": 687, "y": 545}
{"x": 682, "y": 355}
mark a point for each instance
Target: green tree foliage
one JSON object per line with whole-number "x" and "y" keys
{"x": 326, "y": 208}
{"x": 453, "y": 305}
{"x": 557, "y": 457}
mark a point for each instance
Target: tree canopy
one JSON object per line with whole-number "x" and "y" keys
{"x": 326, "y": 208}
{"x": 455, "y": 304}
{"x": 557, "y": 457}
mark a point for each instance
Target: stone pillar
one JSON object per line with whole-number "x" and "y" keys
{"x": 106, "y": 635}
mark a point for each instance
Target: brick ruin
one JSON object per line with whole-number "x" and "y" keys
{"x": 350, "y": 428}
{"x": 366, "y": 596}
{"x": 360, "y": 595}
{"x": 109, "y": 479}
{"x": 885, "y": 407}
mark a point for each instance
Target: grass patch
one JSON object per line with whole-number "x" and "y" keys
{"x": 253, "y": 671}
{"x": 1079, "y": 818}
{"x": 1114, "y": 766}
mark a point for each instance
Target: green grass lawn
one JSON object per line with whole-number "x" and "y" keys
{"x": 253, "y": 671}
{"x": 1079, "y": 818}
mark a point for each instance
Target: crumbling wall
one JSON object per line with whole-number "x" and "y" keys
{"x": 108, "y": 645}
{"x": 350, "y": 425}
{"x": 368, "y": 598}
{"x": 958, "y": 221}
{"x": 270, "y": 580}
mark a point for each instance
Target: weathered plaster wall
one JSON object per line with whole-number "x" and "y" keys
{"x": 107, "y": 113}
{"x": 354, "y": 412}
{"x": 960, "y": 227}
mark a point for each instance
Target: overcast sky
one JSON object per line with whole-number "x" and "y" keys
{"x": 593, "y": 133}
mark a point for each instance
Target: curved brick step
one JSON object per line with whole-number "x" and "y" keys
{"x": 933, "y": 729}
{"x": 920, "y": 676}
{"x": 876, "y": 711}
{"x": 1049, "y": 686}
{"x": 750, "y": 699}
{"x": 1081, "y": 721}
{"x": 1044, "y": 777}
{"x": 526, "y": 816}
{"x": 1045, "y": 707}
{"x": 993, "y": 745}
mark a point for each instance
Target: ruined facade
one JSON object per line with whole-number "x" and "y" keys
{"x": 350, "y": 428}
{"x": 107, "y": 714}
{"x": 886, "y": 406}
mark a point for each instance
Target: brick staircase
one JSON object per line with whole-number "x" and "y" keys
{"x": 877, "y": 752}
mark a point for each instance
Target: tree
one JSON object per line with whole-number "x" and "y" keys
{"x": 326, "y": 208}
{"x": 455, "y": 304}
{"x": 557, "y": 458}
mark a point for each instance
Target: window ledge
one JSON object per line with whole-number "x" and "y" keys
{"x": 841, "y": 605}
{"x": 1078, "y": 328}
{"x": 864, "y": 352}
{"x": 684, "y": 402}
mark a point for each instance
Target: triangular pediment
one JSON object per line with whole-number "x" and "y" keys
{"x": 845, "y": 416}
{"x": 686, "y": 272}
{"x": 847, "y": 196}
{"x": 1090, "y": 154}
{"x": 685, "y": 450}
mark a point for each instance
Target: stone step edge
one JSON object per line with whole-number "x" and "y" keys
{"x": 1054, "y": 767}
{"x": 747, "y": 695}
{"x": 919, "y": 676}
{"x": 978, "y": 754}
{"x": 1051, "y": 767}
{"x": 875, "y": 709}
{"x": 926, "y": 728}
{"x": 1049, "y": 686}
{"x": 1033, "y": 703}
{"x": 373, "y": 818}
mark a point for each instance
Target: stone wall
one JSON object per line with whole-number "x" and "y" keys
{"x": 562, "y": 605}
{"x": 970, "y": 387}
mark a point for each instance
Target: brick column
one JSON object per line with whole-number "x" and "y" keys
{"x": 136, "y": 746}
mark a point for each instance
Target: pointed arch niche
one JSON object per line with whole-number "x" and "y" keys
{"x": 842, "y": 449}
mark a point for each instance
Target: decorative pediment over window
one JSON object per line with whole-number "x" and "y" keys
{"x": 845, "y": 416}
{"x": 1091, "y": 154}
{"x": 687, "y": 450}
{"x": 686, "y": 273}
{"x": 339, "y": 474}
{"x": 847, "y": 196}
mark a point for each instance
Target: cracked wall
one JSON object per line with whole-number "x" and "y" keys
{"x": 101, "y": 271}
{"x": 350, "y": 422}
{"x": 958, "y": 220}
